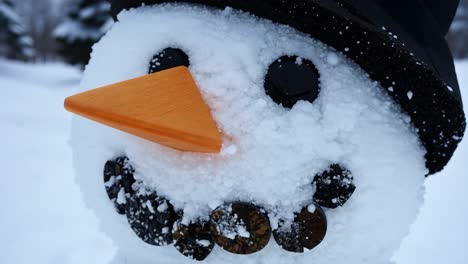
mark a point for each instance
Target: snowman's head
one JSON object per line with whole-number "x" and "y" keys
{"x": 243, "y": 128}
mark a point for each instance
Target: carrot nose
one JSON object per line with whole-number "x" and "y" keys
{"x": 164, "y": 107}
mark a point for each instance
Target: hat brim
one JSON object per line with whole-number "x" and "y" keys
{"x": 434, "y": 107}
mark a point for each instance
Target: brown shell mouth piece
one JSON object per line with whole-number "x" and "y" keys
{"x": 238, "y": 227}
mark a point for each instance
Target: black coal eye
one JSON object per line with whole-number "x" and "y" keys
{"x": 291, "y": 79}
{"x": 333, "y": 187}
{"x": 168, "y": 58}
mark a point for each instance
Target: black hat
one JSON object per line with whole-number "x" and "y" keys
{"x": 399, "y": 43}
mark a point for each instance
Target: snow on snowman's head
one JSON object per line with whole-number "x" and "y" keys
{"x": 273, "y": 145}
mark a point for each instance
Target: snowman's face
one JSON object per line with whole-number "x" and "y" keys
{"x": 270, "y": 153}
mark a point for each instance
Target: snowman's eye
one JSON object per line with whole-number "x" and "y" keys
{"x": 168, "y": 58}
{"x": 291, "y": 79}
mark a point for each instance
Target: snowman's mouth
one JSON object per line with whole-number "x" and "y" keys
{"x": 240, "y": 227}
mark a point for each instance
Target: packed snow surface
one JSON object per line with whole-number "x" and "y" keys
{"x": 270, "y": 154}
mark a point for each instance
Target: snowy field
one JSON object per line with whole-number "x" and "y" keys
{"x": 44, "y": 219}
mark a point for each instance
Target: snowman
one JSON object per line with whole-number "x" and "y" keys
{"x": 264, "y": 131}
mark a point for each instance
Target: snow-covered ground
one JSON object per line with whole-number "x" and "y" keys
{"x": 44, "y": 219}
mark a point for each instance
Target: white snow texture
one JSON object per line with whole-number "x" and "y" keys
{"x": 270, "y": 154}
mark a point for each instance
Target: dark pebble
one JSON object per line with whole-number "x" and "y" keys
{"x": 151, "y": 218}
{"x": 193, "y": 241}
{"x": 118, "y": 177}
{"x": 333, "y": 187}
{"x": 306, "y": 232}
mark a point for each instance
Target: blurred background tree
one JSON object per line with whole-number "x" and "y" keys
{"x": 458, "y": 35}
{"x": 15, "y": 43}
{"x": 87, "y": 22}
{"x": 40, "y": 18}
